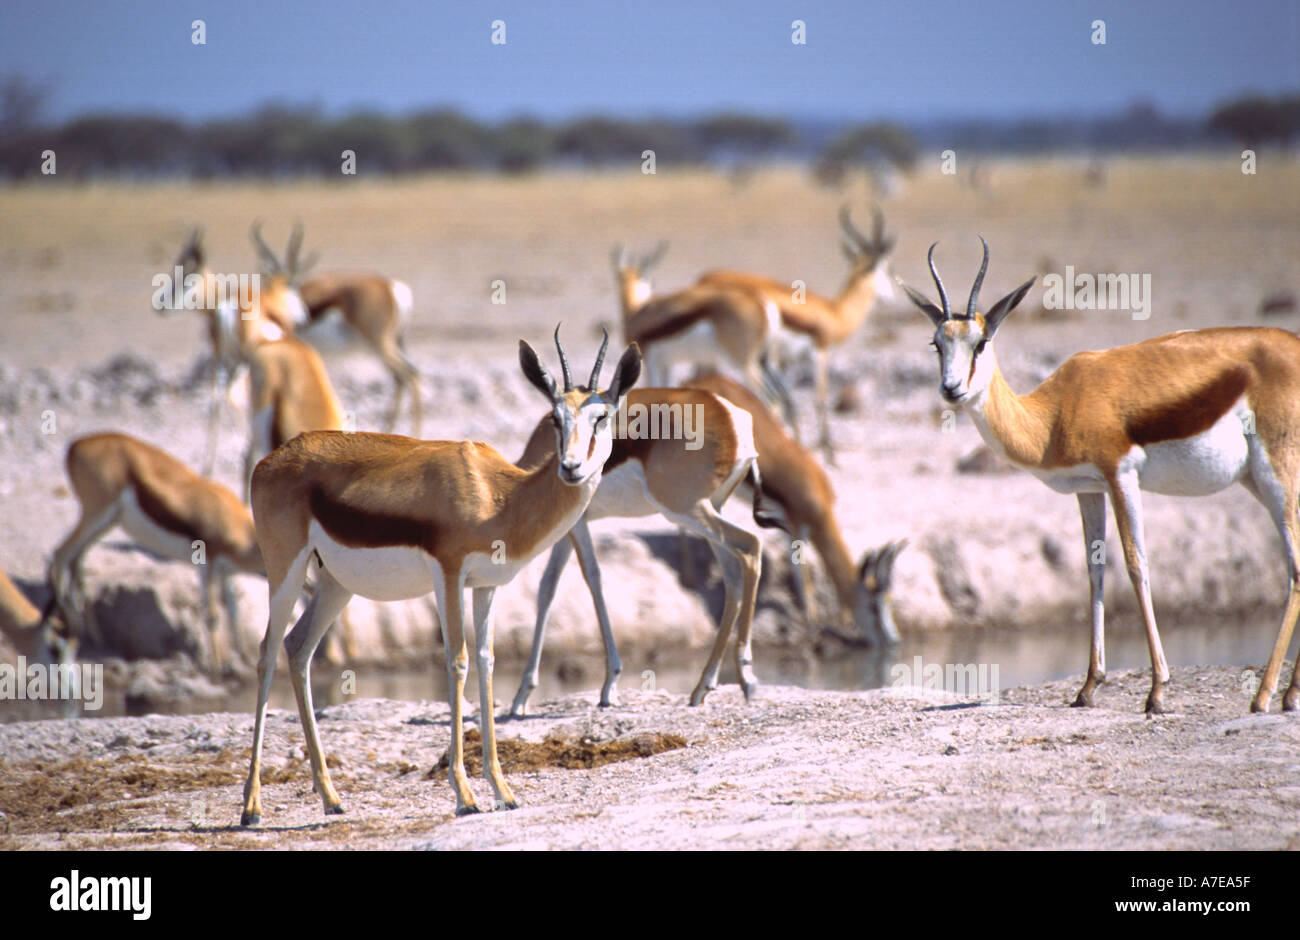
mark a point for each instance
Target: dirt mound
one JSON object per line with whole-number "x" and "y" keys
{"x": 565, "y": 753}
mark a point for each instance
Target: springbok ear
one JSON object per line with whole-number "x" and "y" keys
{"x": 628, "y": 371}
{"x": 536, "y": 373}
{"x": 929, "y": 309}
{"x": 993, "y": 319}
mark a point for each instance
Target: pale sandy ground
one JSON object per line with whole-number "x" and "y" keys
{"x": 884, "y": 769}
{"x": 78, "y": 340}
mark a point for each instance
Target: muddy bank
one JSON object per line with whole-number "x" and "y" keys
{"x": 893, "y": 768}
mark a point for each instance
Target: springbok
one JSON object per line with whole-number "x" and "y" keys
{"x": 235, "y": 324}
{"x": 375, "y": 309}
{"x": 813, "y": 324}
{"x": 290, "y": 392}
{"x": 1187, "y": 414}
{"x": 167, "y": 509}
{"x": 21, "y": 623}
{"x": 795, "y": 481}
{"x": 392, "y": 518}
{"x": 706, "y": 326}
{"x": 652, "y": 469}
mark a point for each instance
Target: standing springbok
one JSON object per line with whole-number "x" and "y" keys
{"x": 290, "y": 392}
{"x": 707, "y": 325}
{"x": 167, "y": 509}
{"x": 1187, "y": 414}
{"x": 654, "y": 469}
{"x": 795, "y": 481}
{"x": 375, "y": 309}
{"x": 392, "y": 518}
{"x": 813, "y": 324}
{"x": 235, "y": 324}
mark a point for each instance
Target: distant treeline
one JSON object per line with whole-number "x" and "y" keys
{"x": 290, "y": 141}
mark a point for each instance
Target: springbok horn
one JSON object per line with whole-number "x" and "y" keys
{"x": 654, "y": 257}
{"x": 979, "y": 281}
{"x": 943, "y": 295}
{"x": 295, "y": 246}
{"x": 564, "y": 361}
{"x": 594, "y": 382}
{"x": 847, "y": 224}
{"x": 268, "y": 256}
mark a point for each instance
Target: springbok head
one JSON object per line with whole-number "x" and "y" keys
{"x": 964, "y": 341}
{"x": 632, "y": 274}
{"x": 581, "y": 413}
{"x": 868, "y": 257}
{"x": 871, "y": 609}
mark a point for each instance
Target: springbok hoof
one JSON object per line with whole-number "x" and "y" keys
{"x": 335, "y": 810}
{"x": 250, "y": 819}
{"x": 468, "y": 810}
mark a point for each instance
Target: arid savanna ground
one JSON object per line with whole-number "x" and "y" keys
{"x": 80, "y": 342}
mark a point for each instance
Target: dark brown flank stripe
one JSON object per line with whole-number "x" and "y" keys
{"x": 1194, "y": 415}
{"x": 674, "y": 325}
{"x": 159, "y": 514}
{"x": 626, "y": 449}
{"x": 357, "y": 528}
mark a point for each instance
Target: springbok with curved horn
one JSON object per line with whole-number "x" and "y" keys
{"x": 704, "y": 325}
{"x": 392, "y": 518}
{"x": 813, "y": 324}
{"x": 1187, "y": 414}
{"x": 794, "y": 480}
{"x": 375, "y": 310}
{"x": 685, "y": 481}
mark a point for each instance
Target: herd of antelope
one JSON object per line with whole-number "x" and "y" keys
{"x": 330, "y": 512}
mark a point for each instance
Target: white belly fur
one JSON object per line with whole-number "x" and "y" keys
{"x": 1193, "y": 466}
{"x": 697, "y": 345}
{"x": 402, "y": 572}
{"x": 149, "y": 535}
{"x": 622, "y": 494}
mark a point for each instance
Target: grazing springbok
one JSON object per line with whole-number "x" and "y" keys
{"x": 812, "y": 324}
{"x": 651, "y": 469}
{"x": 795, "y": 481}
{"x": 392, "y": 518}
{"x": 1187, "y": 414}
{"x": 235, "y": 324}
{"x": 21, "y": 623}
{"x": 709, "y": 326}
{"x": 375, "y": 309}
{"x": 167, "y": 509}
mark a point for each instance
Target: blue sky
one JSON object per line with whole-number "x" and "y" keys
{"x": 862, "y": 59}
